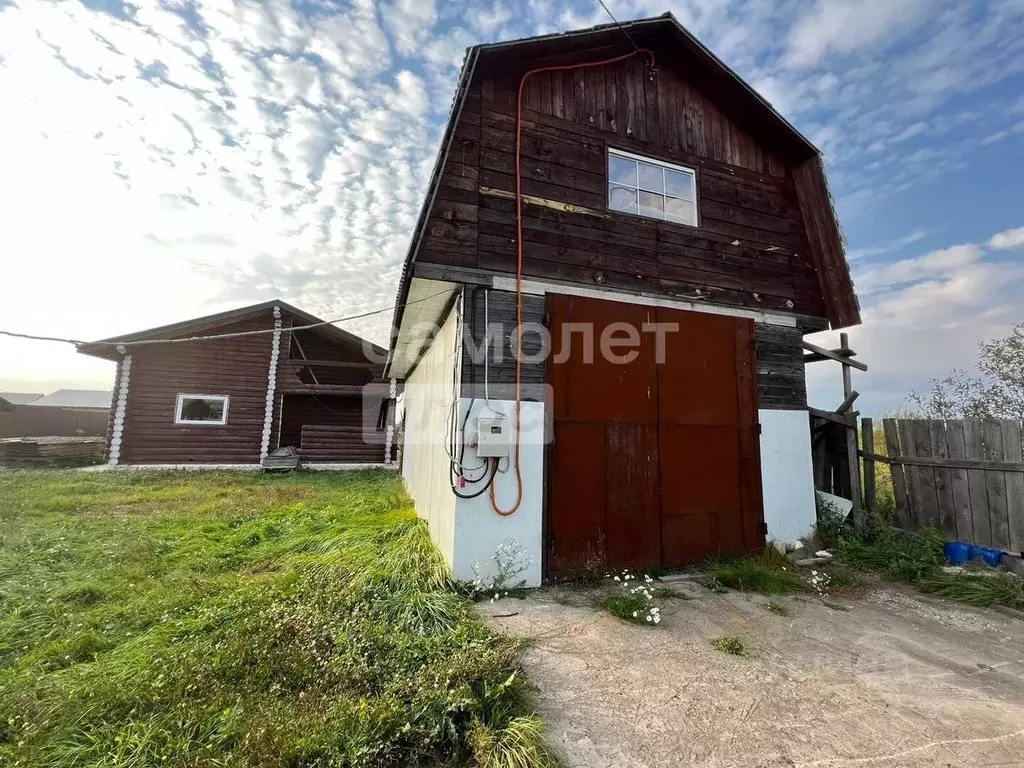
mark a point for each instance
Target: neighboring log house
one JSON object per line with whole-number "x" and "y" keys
{"x": 232, "y": 400}
{"x": 656, "y": 188}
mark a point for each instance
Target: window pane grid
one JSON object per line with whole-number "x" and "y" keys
{"x": 651, "y": 189}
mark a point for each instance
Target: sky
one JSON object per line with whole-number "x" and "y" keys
{"x": 160, "y": 161}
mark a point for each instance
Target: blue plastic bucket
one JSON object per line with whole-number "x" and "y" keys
{"x": 989, "y": 555}
{"x": 958, "y": 553}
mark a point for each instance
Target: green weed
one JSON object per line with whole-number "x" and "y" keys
{"x": 710, "y": 581}
{"x": 909, "y": 558}
{"x": 625, "y": 606}
{"x": 667, "y": 593}
{"x": 517, "y": 745}
{"x": 187, "y": 619}
{"x": 732, "y": 644}
{"x": 984, "y": 589}
{"x": 777, "y": 608}
{"x": 758, "y": 574}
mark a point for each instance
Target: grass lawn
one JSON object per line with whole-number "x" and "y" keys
{"x": 201, "y": 619}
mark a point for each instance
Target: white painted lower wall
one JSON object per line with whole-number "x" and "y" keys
{"x": 428, "y": 395}
{"x": 479, "y": 530}
{"x": 787, "y": 474}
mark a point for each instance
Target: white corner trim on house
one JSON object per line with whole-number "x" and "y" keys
{"x": 120, "y": 409}
{"x": 268, "y": 417}
{"x": 787, "y": 475}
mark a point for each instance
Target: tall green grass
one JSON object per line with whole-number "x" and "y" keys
{"x": 900, "y": 558}
{"x": 187, "y": 619}
{"x": 770, "y": 573}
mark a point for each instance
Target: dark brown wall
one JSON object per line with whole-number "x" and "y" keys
{"x": 751, "y": 248}
{"x": 781, "y": 380}
{"x": 358, "y": 440}
{"x": 235, "y": 367}
{"x": 501, "y": 365}
{"x": 781, "y": 383}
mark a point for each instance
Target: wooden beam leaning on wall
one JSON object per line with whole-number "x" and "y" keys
{"x": 842, "y": 355}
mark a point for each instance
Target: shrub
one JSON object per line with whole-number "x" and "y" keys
{"x": 832, "y": 526}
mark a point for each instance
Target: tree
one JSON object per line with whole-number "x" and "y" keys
{"x": 998, "y": 392}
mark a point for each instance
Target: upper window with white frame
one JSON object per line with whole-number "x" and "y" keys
{"x": 651, "y": 188}
{"x": 202, "y": 409}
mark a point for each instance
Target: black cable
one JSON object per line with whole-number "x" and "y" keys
{"x": 494, "y": 468}
{"x": 621, "y": 28}
{"x": 453, "y": 467}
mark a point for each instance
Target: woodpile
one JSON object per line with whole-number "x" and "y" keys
{"x": 51, "y": 451}
{"x": 341, "y": 444}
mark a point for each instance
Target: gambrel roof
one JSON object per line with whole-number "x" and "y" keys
{"x": 676, "y": 48}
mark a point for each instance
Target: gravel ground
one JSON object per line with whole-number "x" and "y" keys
{"x": 896, "y": 679}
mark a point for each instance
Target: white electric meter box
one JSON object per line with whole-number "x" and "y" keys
{"x": 494, "y": 438}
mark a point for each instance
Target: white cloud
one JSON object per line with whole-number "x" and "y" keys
{"x": 1010, "y": 240}
{"x": 922, "y": 317}
{"x": 889, "y": 277}
{"x": 282, "y": 149}
{"x": 846, "y": 26}
{"x": 887, "y": 247}
{"x": 410, "y": 23}
{"x": 160, "y": 174}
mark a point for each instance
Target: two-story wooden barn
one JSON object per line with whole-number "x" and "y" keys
{"x": 657, "y": 190}
{"x": 227, "y": 389}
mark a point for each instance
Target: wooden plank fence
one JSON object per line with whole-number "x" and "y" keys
{"x": 964, "y": 477}
{"x": 50, "y": 421}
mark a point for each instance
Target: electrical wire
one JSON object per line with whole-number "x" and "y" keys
{"x": 621, "y": 28}
{"x": 79, "y": 342}
{"x": 519, "y": 253}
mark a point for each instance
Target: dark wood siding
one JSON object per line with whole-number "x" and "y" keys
{"x": 235, "y": 367}
{"x": 324, "y": 426}
{"x": 833, "y": 272}
{"x": 501, "y": 362}
{"x": 781, "y": 382}
{"x": 751, "y": 248}
{"x": 781, "y": 379}
{"x": 354, "y": 423}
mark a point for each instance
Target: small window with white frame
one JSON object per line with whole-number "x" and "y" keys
{"x": 651, "y": 188}
{"x": 202, "y": 409}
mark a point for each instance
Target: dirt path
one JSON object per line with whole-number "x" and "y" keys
{"x": 899, "y": 679}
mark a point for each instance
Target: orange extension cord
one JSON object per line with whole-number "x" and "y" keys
{"x": 519, "y": 253}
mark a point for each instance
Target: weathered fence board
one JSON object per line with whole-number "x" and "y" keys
{"x": 976, "y": 482}
{"x": 964, "y": 523}
{"x": 943, "y": 476}
{"x": 965, "y": 478}
{"x": 996, "y": 483}
{"x": 867, "y": 433}
{"x": 1013, "y": 450}
{"x": 899, "y": 486}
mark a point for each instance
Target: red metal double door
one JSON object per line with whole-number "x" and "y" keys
{"x": 654, "y": 461}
